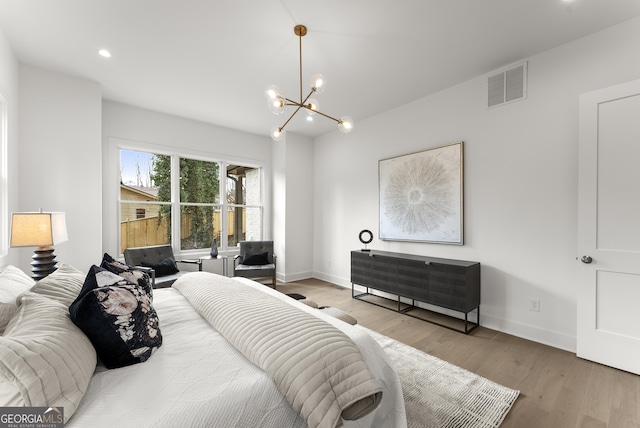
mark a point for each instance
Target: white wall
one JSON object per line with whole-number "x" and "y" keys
{"x": 124, "y": 124}
{"x": 279, "y": 187}
{"x": 9, "y": 91}
{"x": 60, "y": 159}
{"x": 300, "y": 214}
{"x": 293, "y": 207}
{"x": 520, "y": 182}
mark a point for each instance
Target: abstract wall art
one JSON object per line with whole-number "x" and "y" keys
{"x": 421, "y": 196}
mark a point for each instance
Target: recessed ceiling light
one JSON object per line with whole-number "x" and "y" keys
{"x": 105, "y": 53}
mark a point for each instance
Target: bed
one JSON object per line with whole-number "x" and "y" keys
{"x": 200, "y": 376}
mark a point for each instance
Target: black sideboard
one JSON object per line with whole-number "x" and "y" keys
{"x": 446, "y": 283}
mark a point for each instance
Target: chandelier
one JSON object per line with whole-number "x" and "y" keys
{"x": 277, "y": 102}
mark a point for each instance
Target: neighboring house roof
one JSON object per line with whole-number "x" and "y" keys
{"x": 151, "y": 192}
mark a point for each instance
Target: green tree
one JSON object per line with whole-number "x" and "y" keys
{"x": 160, "y": 177}
{"x": 198, "y": 184}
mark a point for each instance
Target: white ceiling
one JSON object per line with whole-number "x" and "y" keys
{"x": 210, "y": 60}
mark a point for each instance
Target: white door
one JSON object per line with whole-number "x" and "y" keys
{"x": 609, "y": 227}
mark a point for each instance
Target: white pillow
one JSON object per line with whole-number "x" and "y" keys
{"x": 46, "y": 360}
{"x": 63, "y": 285}
{"x": 7, "y": 311}
{"x": 13, "y": 282}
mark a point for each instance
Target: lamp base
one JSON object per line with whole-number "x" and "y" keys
{"x": 44, "y": 262}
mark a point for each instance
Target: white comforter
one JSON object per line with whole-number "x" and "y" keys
{"x": 197, "y": 379}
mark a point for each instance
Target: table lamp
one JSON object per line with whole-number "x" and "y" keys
{"x": 42, "y": 230}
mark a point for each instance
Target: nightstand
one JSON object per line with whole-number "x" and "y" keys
{"x": 223, "y": 259}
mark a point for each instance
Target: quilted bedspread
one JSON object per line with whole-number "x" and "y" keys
{"x": 199, "y": 379}
{"x": 316, "y": 366}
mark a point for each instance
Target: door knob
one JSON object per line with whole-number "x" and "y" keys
{"x": 586, "y": 259}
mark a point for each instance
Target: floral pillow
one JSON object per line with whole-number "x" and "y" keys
{"x": 130, "y": 273}
{"x": 118, "y": 317}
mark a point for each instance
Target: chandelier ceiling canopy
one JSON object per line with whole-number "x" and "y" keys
{"x": 278, "y": 102}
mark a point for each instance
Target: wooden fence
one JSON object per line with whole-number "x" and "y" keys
{"x": 145, "y": 232}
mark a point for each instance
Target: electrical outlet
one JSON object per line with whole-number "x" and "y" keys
{"x": 534, "y": 304}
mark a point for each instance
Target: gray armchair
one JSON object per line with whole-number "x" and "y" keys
{"x": 157, "y": 261}
{"x": 256, "y": 260}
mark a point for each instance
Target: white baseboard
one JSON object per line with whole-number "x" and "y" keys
{"x": 524, "y": 331}
{"x": 332, "y": 279}
{"x": 529, "y": 332}
{"x": 298, "y": 276}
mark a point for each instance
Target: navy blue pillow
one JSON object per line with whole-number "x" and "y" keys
{"x": 129, "y": 273}
{"x": 118, "y": 318}
{"x": 255, "y": 259}
{"x": 164, "y": 268}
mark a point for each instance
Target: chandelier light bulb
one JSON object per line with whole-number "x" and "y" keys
{"x": 318, "y": 83}
{"x": 345, "y": 125}
{"x": 272, "y": 92}
{"x": 277, "y": 133}
{"x": 312, "y": 106}
{"x": 277, "y": 105}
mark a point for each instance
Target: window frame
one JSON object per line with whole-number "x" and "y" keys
{"x": 176, "y": 205}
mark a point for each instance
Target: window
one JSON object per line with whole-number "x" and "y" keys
{"x": 139, "y": 194}
{"x": 199, "y": 203}
{"x": 244, "y": 204}
{"x": 156, "y": 188}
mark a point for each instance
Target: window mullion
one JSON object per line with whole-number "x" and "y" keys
{"x": 222, "y": 179}
{"x": 175, "y": 204}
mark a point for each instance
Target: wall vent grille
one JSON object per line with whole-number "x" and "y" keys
{"x": 507, "y": 85}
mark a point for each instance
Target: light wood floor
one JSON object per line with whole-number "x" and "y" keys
{"x": 557, "y": 389}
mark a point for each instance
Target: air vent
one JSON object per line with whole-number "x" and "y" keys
{"x": 507, "y": 85}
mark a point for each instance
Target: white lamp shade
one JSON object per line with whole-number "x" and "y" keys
{"x": 38, "y": 229}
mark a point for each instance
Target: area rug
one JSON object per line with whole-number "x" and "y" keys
{"x": 443, "y": 395}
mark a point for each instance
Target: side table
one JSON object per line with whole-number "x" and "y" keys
{"x": 225, "y": 266}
